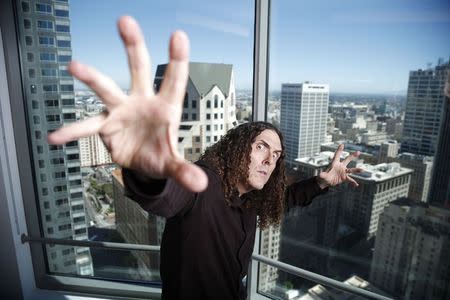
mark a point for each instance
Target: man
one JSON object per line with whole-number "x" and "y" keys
{"x": 211, "y": 206}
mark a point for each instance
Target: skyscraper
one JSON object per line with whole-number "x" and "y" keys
{"x": 45, "y": 42}
{"x": 424, "y": 106}
{"x": 440, "y": 191}
{"x": 312, "y": 231}
{"x": 209, "y": 108}
{"x": 137, "y": 226}
{"x": 420, "y": 178}
{"x": 378, "y": 186}
{"x": 411, "y": 258}
{"x": 304, "y": 111}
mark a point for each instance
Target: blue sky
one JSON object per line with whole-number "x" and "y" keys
{"x": 355, "y": 46}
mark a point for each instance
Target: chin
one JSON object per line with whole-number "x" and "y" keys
{"x": 258, "y": 186}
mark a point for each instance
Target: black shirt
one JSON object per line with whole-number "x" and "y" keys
{"x": 207, "y": 245}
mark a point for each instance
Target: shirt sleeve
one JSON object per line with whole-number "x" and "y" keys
{"x": 162, "y": 197}
{"x": 301, "y": 193}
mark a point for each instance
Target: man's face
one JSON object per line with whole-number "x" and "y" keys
{"x": 266, "y": 150}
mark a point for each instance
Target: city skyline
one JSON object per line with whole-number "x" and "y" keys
{"x": 352, "y": 48}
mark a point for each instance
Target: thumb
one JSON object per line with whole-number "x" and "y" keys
{"x": 188, "y": 175}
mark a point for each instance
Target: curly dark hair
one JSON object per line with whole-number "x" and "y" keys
{"x": 230, "y": 157}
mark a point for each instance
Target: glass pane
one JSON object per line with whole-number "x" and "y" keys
{"x": 123, "y": 265}
{"x": 371, "y": 76}
{"x": 81, "y": 193}
{"x": 289, "y": 287}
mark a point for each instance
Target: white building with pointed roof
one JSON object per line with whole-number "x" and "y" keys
{"x": 209, "y": 108}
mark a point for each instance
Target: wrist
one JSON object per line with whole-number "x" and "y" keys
{"x": 321, "y": 183}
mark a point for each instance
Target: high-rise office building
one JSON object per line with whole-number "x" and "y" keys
{"x": 424, "y": 106}
{"x": 440, "y": 191}
{"x": 270, "y": 247}
{"x": 93, "y": 151}
{"x": 45, "y": 42}
{"x": 411, "y": 258}
{"x": 378, "y": 186}
{"x": 137, "y": 226}
{"x": 312, "y": 231}
{"x": 209, "y": 108}
{"x": 304, "y": 112}
{"x": 388, "y": 149}
{"x": 420, "y": 178}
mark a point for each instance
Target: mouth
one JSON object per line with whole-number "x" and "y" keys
{"x": 263, "y": 173}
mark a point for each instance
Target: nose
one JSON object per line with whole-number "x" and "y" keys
{"x": 268, "y": 160}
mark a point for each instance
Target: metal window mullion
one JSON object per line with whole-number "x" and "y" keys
{"x": 259, "y": 109}
{"x": 91, "y": 244}
{"x": 260, "y": 60}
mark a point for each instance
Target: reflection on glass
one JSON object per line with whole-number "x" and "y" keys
{"x": 287, "y": 289}
{"x": 359, "y": 74}
{"x": 121, "y": 265}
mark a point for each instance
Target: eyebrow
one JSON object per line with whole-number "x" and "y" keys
{"x": 267, "y": 145}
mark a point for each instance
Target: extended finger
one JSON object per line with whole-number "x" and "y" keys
{"x": 102, "y": 85}
{"x": 337, "y": 154}
{"x": 354, "y": 170}
{"x": 188, "y": 175}
{"x": 350, "y": 157}
{"x": 76, "y": 130}
{"x": 352, "y": 181}
{"x": 174, "y": 84}
{"x": 138, "y": 57}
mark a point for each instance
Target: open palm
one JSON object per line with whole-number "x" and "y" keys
{"x": 337, "y": 172}
{"x": 140, "y": 129}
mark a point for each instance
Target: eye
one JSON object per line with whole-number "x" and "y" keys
{"x": 260, "y": 146}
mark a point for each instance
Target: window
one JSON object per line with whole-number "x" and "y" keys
{"x": 43, "y": 8}
{"x": 36, "y": 120}
{"x": 64, "y": 58}
{"x": 30, "y": 57}
{"x": 298, "y": 74}
{"x": 45, "y": 24}
{"x": 26, "y": 23}
{"x": 58, "y": 101}
{"x": 25, "y": 6}
{"x": 50, "y": 88}
{"x": 64, "y": 44}
{"x": 46, "y": 41}
{"x": 48, "y": 72}
{"x": 68, "y": 102}
{"x": 28, "y": 40}
{"x": 52, "y": 103}
{"x": 216, "y": 101}
{"x": 61, "y": 13}
{"x": 62, "y": 28}
{"x": 66, "y": 87}
{"x": 48, "y": 57}
{"x": 64, "y": 73}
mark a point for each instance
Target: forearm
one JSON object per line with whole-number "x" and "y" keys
{"x": 162, "y": 197}
{"x": 301, "y": 193}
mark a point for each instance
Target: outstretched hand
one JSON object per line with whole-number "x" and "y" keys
{"x": 140, "y": 129}
{"x": 337, "y": 172}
